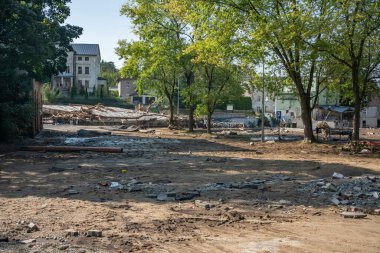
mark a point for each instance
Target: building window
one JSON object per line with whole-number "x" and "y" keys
{"x": 86, "y": 83}
{"x": 79, "y": 58}
{"x": 87, "y": 70}
{"x": 292, "y": 114}
{"x": 79, "y": 83}
{"x": 258, "y": 109}
{"x": 68, "y": 69}
{"x": 86, "y": 58}
{"x": 79, "y": 70}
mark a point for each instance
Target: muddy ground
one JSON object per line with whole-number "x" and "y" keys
{"x": 171, "y": 191}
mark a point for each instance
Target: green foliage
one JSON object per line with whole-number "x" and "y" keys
{"x": 73, "y": 91}
{"x": 50, "y": 94}
{"x": 109, "y": 71}
{"x": 34, "y": 43}
{"x": 243, "y": 103}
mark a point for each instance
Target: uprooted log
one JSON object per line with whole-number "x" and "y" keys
{"x": 71, "y": 149}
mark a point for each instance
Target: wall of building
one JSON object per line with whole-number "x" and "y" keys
{"x": 126, "y": 87}
{"x": 89, "y": 80}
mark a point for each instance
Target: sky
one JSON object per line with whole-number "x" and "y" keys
{"x": 102, "y": 24}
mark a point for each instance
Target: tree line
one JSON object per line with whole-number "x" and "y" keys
{"x": 211, "y": 47}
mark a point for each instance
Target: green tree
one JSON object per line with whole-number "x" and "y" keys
{"x": 33, "y": 44}
{"x": 109, "y": 71}
{"x": 353, "y": 41}
{"x": 216, "y": 85}
{"x": 155, "y": 60}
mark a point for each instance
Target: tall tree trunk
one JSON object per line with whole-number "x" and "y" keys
{"x": 304, "y": 98}
{"x": 171, "y": 107}
{"x": 191, "y": 118}
{"x": 209, "y": 122}
{"x": 307, "y": 122}
{"x": 306, "y": 118}
{"x": 355, "y": 87}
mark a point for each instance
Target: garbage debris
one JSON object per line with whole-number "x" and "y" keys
{"x": 101, "y": 115}
{"x": 115, "y": 185}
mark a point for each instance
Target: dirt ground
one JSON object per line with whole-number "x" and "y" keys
{"x": 237, "y": 195}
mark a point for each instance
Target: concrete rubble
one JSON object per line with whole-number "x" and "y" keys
{"x": 361, "y": 191}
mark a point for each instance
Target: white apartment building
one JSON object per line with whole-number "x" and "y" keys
{"x": 82, "y": 69}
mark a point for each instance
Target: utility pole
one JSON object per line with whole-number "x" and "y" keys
{"x": 263, "y": 106}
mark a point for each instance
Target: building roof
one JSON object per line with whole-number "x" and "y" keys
{"x": 86, "y": 49}
{"x": 335, "y": 108}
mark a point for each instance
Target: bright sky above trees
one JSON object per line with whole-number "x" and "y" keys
{"x": 102, "y": 24}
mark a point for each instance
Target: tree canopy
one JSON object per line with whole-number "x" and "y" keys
{"x": 33, "y": 44}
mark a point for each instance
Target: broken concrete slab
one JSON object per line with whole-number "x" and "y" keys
{"x": 32, "y": 227}
{"x": 170, "y": 196}
{"x": 71, "y": 232}
{"x": 187, "y": 195}
{"x": 353, "y": 215}
{"x": 28, "y": 241}
{"x": 204, "y": 204}
{"x": 335, "y": 201}
{"x": 94, "y": 233}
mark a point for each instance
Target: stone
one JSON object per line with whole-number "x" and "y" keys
{"x": 337, "y": 175}
{"x": 187, "y": 195}
{"x": 375, "y": 195}
{"x": 32, "y": 227}
{"x": 72, "y": 232}
{"x": 94, "y": 233}
{"x": 4, "y": 239}
{"x": 72, "y": 192}
{"x": 28, "y": 241}
{"x": 248, "y": 186}
{"x": 335, "y": 201}
{"x": 165, "y": 197}
{"x": 330, "y": 187}
{"x": 63, "y": 247}
{"x": 204, "y": 204}
{"x": 353, "y": 215}
{"x": 135, "y": 188}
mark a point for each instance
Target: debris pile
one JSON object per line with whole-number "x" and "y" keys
{"x": 99, "y": 114}
{"x": 362, "y": 192}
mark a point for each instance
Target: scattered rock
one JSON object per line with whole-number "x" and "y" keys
{"x": 32, "y": 227}
{"x": 187, "y": 195}
{"x": 72, "y": 232}
{"x": 166, "y": 196}
{"x": 375, "y": 195}
{"x": 335, "y": 201}
{"x": 353, "y": 215}
{"x": 330, "y": 187}
{"x": 63, "y": 247}
{"x": 204, "y": 204}
{"x": 4, "y": 239}
{"x": 251, "y": 144}
{"x": 72, "y": 192}
{"x": 28, "y": 241}
{"x": 94, "y": 233}
{"x": 337, "y": 176}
